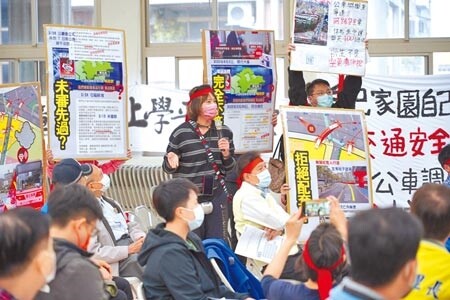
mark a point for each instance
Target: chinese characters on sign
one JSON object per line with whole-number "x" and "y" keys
{"x": 326, "y": 154}
{"x": 329, "y": 36}
{"x": 407, "y": 127}
{"x": 87, "y": 92}
{"x": 62, "y": 114}
{"x": 240, "y": 68}
{"x": 154, "y": 113}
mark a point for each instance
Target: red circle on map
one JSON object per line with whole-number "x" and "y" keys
{"x": 22, "y": 155}
{"x": 311, "y": 128}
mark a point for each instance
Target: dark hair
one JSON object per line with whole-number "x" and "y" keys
{"x": 444, "y": 155}
{"x": 194, "y": 108}
{"x": 310, "y": 85}
{"x": 71, "y": 202}
{"x": 23, "y": 232}
{"x": 431, "y": 204}
{"x": 171, "y": 194}
{"x": 245, "y": 159}
{"x": 381, "y": 242}
{"x": 325, "y": 247}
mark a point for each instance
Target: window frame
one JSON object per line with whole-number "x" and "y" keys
{"x": 423, "y": 46}
{"x": 34, "y": 51}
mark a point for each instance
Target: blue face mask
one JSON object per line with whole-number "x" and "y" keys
{"x": 325, "y": 100}
{"x": 264, "y": 179}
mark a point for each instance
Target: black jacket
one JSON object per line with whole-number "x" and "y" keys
{"x": 175, "y": 271}
{"x": 77, "y": 277}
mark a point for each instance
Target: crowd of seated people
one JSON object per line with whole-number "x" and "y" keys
{"x": 382, "y": 253}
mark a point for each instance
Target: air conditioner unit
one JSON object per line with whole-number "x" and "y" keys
{"x": 241, "y": 13}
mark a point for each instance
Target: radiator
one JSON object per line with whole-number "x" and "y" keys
{"x": 131, "y": 184}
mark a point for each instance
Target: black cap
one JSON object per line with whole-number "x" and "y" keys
{"x": 69, "y": 171}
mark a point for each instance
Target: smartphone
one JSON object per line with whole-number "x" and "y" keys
{"x": 316, "y": 208}
{"x": 208, "y": 185}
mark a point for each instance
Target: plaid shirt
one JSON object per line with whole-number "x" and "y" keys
{"x": 4, "y": 295}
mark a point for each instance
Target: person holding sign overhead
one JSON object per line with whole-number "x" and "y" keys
{"x": 202, "y": 153}
{"x": 318, "y": 93}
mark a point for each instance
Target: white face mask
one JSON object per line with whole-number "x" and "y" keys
{"x": 264, "y": 179}
{"x": 106, "y": 181}
{"x": 199, "y": 216}
{"x": 52, "y": 273}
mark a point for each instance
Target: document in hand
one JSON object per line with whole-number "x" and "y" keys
{"x": 253, "y": 244}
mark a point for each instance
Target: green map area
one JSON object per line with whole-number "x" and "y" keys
{"x": 92, "y": 70}
{"x": 246, "y": 82}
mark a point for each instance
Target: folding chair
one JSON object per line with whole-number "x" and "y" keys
{"x": 137, "y": 288}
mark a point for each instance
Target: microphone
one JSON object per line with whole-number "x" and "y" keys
{"x": 218, "y": 124}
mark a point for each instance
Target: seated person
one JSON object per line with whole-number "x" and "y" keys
{"x": 253, "y": 203}
{"x": 27, "y": 258}
{"x": 322, "y": 261}
{"x": 382, "y": 246}
{"x": 116, "y": 241}
{"x": 176, "y": 266}
{"x": 74, "y": 212}
{"x": 69, "y": 171}
{"x": 431, "y": 204}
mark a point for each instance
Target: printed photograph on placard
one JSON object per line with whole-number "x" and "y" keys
{"x": 311, "y": 22}
{"x": 239, "y": 44}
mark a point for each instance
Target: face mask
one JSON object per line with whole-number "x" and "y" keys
{"x": 199, "y": 216}
{"x": 84, "y": 245}
{"x": 106, "y": 181}
{"x": 264, "y": 179}
{"x": 325, "y": 100}
{"x": 95, "y": 189}
{"x": 49, "y": 270}
{"x": 209, "y": 111}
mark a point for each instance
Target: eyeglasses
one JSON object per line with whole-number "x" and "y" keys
{"x": 321, "y": 93}
{"x": 94, "y": 230}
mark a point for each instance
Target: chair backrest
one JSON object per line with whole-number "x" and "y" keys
{"x": 221, "y": 275}
{"x": 137, "y": 288}
{"x": 241, "y": 279}
{"x": 144, "y": 217}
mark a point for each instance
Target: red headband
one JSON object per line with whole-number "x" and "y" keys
{"x": 324, "y": 277}
{"x": 447, "y": 162}
{"x": 248, "y": 169}
{"x": 198, "y": 93}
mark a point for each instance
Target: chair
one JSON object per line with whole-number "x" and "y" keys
{"x": 234, "y": 272}
{"x": 144, "y": 217}
{"x": 220, "y": 274}
{"x": 137, "y": 288}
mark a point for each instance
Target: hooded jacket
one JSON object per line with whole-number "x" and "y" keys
{"x": 77, "y": 277}
{"x": 176, "y": 269}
